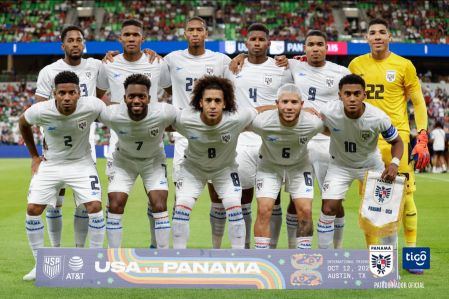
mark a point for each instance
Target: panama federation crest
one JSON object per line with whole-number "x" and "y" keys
{"x": 210, "y": 70}
{"x": 382, "y": 194}
{"x": 226, "y": 137}
{"x": 381, "y": 259}
{"x": 52, "y": 266}
{"x": 82, "y": 124}
{"x": 268, "y": 79}
{"x": 365, "y": 135}
{"x": 390, "y": 76}
{"x": 154, "y": 131}
{"x": 329, "y": 82}
{"x": 88, "y": 75}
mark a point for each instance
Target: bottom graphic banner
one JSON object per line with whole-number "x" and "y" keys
{"x": 198, "y": 268}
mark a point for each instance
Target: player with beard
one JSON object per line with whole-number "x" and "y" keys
{"x": 112, "y": 75}
{"x": 87, "y": 70}
{"x": 139, "y": 151}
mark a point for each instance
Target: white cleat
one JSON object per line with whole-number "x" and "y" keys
{"x": 30, "y": 276}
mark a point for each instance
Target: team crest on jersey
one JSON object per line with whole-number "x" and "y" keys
{"x": 365, "y": 135}
{"x": 88, "y": 75}
{"x": 210, "y": 70}
{"x": 390, "y": 76}
{"x": 154, "y": 131}
{"x": 148, "y": 75}
{"x": 82, "y": 124}
{"x": 52, "y": 266}
{"x": 303, "y": 140}
{"x": 330, "y": 82}
{"x": 268, "y": 79}
{"x": 225, "y": 137}
{"x": 381, "y": 259}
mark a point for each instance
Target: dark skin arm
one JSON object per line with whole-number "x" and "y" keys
{"x": 397, "y": 149}
{"x": 27, "y": 134}
{"x": 39, "y": 98}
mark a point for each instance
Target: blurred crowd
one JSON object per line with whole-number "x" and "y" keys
{"x": 420, "y": 21}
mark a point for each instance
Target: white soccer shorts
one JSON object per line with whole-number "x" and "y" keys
{"x": 339, "y": 178}
{"x": 319, "y": 156}
{"x": 125, "y": 170}
{"x": 298, "y": 180}
{"x": 191, "y": 182}
{"x": 81, "y": 175}
{"x": 247, "y": 159}
{"x": 178, "y": 156}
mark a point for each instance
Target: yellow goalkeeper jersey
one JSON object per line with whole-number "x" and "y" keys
{"x": 389, "y": 84}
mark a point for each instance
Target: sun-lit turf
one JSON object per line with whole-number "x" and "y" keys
{"x": 432, "y": 199}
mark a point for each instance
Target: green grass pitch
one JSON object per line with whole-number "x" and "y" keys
{"x": 432, "y": 200}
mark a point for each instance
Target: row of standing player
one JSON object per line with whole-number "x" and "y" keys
{"x": 185, "y": 66}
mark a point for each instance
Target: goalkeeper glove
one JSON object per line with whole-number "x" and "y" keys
{"x": 420, "y": 151}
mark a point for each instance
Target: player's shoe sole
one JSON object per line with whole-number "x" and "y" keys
{"x": 31, "y": 275}
{"x": 416, "y": 271}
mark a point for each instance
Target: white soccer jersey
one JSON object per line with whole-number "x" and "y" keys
{"x": 318, "y": 85}
{"x": 257, "y": 85}
{"x": 185, "y": 69}
{"x": 113, "y": 74}
{"x": 354, "y": 141}
{"x": 212, "y": 147}
{"x": 66, "y": 137}
{"x": 140, "y": 139}
{"x": 87, "y": 71}
{"x": 285, "y": 145}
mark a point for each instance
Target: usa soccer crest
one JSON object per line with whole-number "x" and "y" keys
{"x": 52, "y": 266}
{"x": 330, "y": 82}
{"x": 210, "y": 70}
{"x": 365, "y": 135}
{"x": 88, "y": 75}
{"x": 154, "y": 131}
{"x": 82, "y": 124}
{"x": 382, "y": 194}
{"x": 268, "y": 79}
{"x": 226, "y": 137}
{"x": 390, "y": 76}
{"x": 381, "y": 259}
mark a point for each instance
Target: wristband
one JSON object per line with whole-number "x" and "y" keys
{"x": 395, "y": 161}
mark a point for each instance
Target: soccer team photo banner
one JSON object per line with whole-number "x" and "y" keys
{"x": 382, "y": 205}
{"x": 197, "y": 268}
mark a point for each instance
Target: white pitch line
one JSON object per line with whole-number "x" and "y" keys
{"x": 423, "y": 176}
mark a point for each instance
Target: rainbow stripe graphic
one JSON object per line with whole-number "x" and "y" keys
{"x": 157, "y": 270}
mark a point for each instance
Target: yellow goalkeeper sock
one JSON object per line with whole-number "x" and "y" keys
{"x": 410, "y": 220}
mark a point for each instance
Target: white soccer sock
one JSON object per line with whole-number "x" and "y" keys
{"x": 152, "y": 232}
{"x": 162, "y": 229}
{"x": 180, "y": 224}
{"x": 339, "y": 226}
{"x": 261, "y": 243}
{"x": 236, "y": 224}
{"x": 54, "y": 222}
{"x": 292, "y": 228}
{"x": 114, "y": 230}
{"x": 247, "y": 217}
{"x": 391, "y": 240}
{"x": 304, "y": 242}
{"x": 35, "y": 233}
{"x": 217, "y": 218}
{"x": 325, "y": 229}
{"x": 96, "y": 229}
{"x": 275, "y": 225}
{"x": 81, "y": 224}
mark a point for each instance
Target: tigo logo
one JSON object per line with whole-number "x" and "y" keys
{"x": 416, "y": 258}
